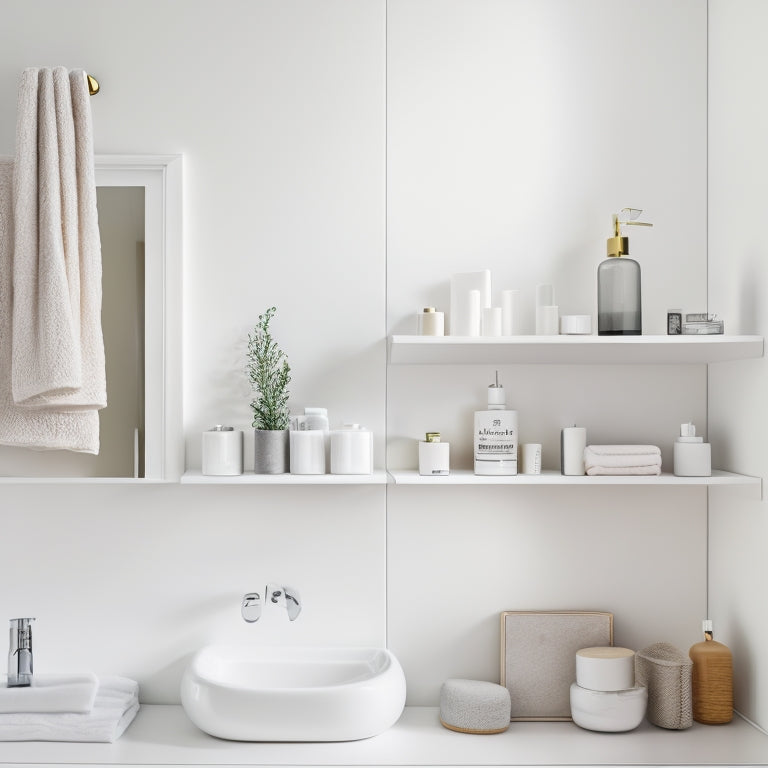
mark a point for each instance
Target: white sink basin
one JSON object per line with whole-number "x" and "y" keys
{"x": 248, "y": 693}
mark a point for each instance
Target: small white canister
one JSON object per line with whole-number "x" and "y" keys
{"x": 608, "y": 668}
{"x": 223, "y": 451}
{"x": 307, "y": 452}
{"x": 351, "y": 450}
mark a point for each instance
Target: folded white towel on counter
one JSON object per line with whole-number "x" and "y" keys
{"x": 622, "y": 456}
{"x": 58, "y": 348}
{"x": 115, "y": 706}
{"x": 647, "y": 470}
{"x": 51, "y": 693}
{"x": 26, "y": 427}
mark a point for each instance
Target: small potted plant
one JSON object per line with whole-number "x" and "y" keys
{"x": 269, "y": 374}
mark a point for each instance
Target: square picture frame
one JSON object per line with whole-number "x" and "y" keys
{"x": 538, "y": 658}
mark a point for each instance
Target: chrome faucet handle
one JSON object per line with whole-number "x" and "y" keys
{"x": 288, "y": 597}
{"x": 251, "y": 607}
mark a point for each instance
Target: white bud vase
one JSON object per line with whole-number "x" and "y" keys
{"x": 270, "y": 455}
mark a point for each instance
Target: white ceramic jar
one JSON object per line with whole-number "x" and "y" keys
{"x": 608, "y": 711}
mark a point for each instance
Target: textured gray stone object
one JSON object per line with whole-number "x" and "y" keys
{"x": 474, "y": 706}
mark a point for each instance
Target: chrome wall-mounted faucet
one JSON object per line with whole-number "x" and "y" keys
{"x": 20, "y": 653}
{"x": 288, "y": 597}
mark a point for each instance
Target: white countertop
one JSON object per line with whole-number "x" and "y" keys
{"x": 162, "y": 735}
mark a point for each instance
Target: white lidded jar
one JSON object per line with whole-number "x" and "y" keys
{"x": 222, "y": 449}
{"x": 351, "y": 450}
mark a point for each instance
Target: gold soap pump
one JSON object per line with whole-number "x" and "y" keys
{"x": 619, "y": 310}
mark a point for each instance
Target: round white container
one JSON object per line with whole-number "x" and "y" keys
{"x": 531, "y": 458}
{"x": 351, "y": 450}
{"x": 307, "y": 452}
{"x": 605, "y": 668}
{"x": 431, "y": 323}
{"x": 579, "y": 325}
{"x": 222, "y": 451}
{"x": 608, "y": 711}
{"x": 573, "y": 441}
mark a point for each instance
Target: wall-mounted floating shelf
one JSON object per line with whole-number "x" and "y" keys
{"x": 379, "y": 477}
{"x": 551, "y": 477}
{"x": 572, "y": 350}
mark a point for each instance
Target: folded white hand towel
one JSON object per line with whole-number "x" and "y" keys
{"x": 622, "y": 450}
{"x": 58, "y": 348}
{"x": 648, "y": 470}
{"x": 24, "y": 427}
{"x": 51, "y": 693}
{"x": 116, "y": 704}
{"x": 621, "y": 457}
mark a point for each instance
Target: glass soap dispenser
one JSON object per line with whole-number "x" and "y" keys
{"x": 618, "y": 282}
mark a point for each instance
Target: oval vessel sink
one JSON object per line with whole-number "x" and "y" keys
{"x": 248, "y": 693}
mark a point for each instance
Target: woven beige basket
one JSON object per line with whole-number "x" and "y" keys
{"x": 666, "y": 672}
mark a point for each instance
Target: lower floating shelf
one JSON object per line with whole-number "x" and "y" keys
{"x": 379, "y": 477}
{"x": 162, "y": 735}
{"x": 551, "y": 477}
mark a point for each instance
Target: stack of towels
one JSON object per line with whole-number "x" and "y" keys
{"x": 622, "y": 460}
{"x": 77, "y": 707}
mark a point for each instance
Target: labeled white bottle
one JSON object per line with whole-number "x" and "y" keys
{"x": 495, "y": 443}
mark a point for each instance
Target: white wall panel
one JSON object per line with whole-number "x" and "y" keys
{"x": 738, "y": 285}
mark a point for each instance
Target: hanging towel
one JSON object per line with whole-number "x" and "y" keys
{"x": 115, "y": 706}
{"x": 24, "y": 427}
{"x": 58, "y": 348}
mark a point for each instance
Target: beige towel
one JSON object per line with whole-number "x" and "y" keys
{"x": 58, "y": 348}
{"x": 76, "y": 430}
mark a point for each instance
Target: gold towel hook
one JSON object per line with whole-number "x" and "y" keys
{"x": 93, "y": 84}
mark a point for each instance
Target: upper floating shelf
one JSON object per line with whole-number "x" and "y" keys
{"x": 569, "y": 350}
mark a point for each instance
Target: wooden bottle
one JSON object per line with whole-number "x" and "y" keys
{"x": 712, "y": 680}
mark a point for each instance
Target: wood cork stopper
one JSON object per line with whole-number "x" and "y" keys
{"x": 712, "y": 682}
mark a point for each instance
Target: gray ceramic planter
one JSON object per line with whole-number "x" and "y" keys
{"x": 270, "y": 451}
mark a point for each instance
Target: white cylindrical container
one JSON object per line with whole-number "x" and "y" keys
{"x": 307, "y": 452}
{"x": 576, "y": 325}
{"x": 510, "y": 313}
{"x": 573, "y": 441}
{"x": 531, "y": 458}
{"x": 608, "y": 711}
{"x": 351, "y": 450}
{"x": 431, "y": 323}
{"x": 474, "y": 315}
{"x": 492, "y": 321}
{"x": 547, "y": 320}
{"x": 605, "y": 668}
{"x": 222, "y": 451}
{"x": 434, "y": 456}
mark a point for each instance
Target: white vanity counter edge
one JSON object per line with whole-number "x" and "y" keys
{"x": 162, "y": 735}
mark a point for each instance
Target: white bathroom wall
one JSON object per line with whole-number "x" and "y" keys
{"x": 738, "y": 279}
{"x": 515, "y": 130}
{"x": 511, "y": 131}
{"x": 278, "y": 109}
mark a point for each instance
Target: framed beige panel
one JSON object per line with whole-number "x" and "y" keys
{"x": 538, "y": 658}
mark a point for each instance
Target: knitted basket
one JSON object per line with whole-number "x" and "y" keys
{"x": 666, "y": 672}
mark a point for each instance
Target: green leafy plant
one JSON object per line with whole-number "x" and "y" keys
{"x": 269, "y": 374}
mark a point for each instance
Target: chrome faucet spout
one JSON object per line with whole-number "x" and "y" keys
{"x": 20, "y": 653}
{"x": 288, "y": 597}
